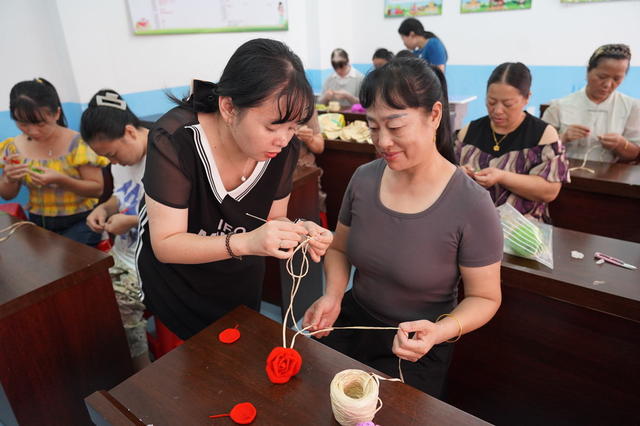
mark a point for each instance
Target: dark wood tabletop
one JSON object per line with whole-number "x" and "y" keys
{"x": 605, "y": 203}
{"x": 31, "y": 246}
{"x": 564, "y": 346}
{"x": 205, "y": 377}
{"x": 61, "y": 337}
{"x": 605, "y": 287}
{"x": 609, "y": 178}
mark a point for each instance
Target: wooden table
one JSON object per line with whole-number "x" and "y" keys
{"x": 339, "y": 161}
{"x": 606, "y": 203}
{"x": 561, "y": 349}
{"x": 303, "y": 203}
{"x": 204, "y": 377}
{"x": 60, "y": 330}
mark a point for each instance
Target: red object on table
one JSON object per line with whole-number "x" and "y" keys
{"x": 14, "y": 209}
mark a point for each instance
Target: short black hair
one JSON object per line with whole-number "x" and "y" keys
{"x": 411, "y": 83}
{"x": 515, "y": 74}
{"x": 383, "y": 53}
{"x": 106, "y": 117}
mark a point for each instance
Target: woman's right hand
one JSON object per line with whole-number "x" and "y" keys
{"x": 275, "y": 238}
{"x": 14, "y": 169}
{"x": 575, "y": 131}
{"x": 97, "y": 219}
{"x": 322, "y": 314}
{"x": 305, "y": 134}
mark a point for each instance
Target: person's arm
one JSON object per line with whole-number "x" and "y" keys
{"x": 314, "y": 141}
{"x": 481, "y": 302}
{"x": 172, "y": 243}
{"x": 90, "y": 183}
{"x": 621, "y": 146}
{"x": 531, "y": 187}
{"x": 337, "y": 269}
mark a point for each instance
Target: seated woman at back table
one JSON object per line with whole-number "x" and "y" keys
{"x": 62, "y": 173}
{"x": 344, "y": 84}
{"x": 598, "y": 122}
{"x": 513, "y": 154}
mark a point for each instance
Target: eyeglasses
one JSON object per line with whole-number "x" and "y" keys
{"x": 338, "y": 64}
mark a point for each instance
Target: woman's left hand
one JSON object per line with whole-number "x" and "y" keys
{"x": 43, "y": 176}
{"x": 489, "y": 176}
{"x": 612, "y": 141}
{"x": 120, "y": 223}
{"x": 320, "y": 239}
{"x": 415, "y": 348}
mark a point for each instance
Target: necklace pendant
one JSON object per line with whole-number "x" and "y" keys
{"x": 496, "y": 147}
{"x": 242, "y": 178}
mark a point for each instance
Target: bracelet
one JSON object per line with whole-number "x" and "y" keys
{"x": 228, "y": 246}
{"x": 626, "y": 144}
{"x": 459, "y": 327}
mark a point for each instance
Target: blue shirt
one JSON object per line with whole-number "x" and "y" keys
{"x": 433, "y": 52}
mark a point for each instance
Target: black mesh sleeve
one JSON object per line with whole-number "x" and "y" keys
{"x": 164, "y": 179}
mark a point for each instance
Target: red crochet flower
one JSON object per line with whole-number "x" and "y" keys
{"x": 283, "y": 364}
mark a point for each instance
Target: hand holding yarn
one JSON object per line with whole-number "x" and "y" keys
{"x": 412, "y": 349}
{"x": 274, "y": 235}
{"x": 489, "y": 176}
{"x": 322, "y": 314}
{"x": 320, "y": 239}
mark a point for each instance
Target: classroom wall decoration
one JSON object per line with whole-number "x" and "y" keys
{"x": 402, "y": 8}
{"x": 471, "y": 6}
{"x": 207, "y": 16}
{"x": 583, "y": 1}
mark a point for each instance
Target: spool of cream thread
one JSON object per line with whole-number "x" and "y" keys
{"x": 354, "y": 397}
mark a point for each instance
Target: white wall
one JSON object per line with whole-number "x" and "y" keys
{"x": 84, "y": 45}
{"x": 105, "y": 53}
{"x": 550, "y": 33}
{"x": 32, "y": 45}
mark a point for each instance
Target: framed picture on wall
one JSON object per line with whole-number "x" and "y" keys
{"x": 403, "y": 8}
{"x": 207, "y": 16}
{"x": 472, "y": 6}
{"x": 584, "y": 1}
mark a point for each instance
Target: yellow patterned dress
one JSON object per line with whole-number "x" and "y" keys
{"x": 55, "y": 208}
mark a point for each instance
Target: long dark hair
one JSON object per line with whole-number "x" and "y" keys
{"x": 411, "y": 83}
{"x": 515, "y": 74}
{"x": 106, "y": 117}
{"x": 258, "y": 69}
{"x": 27, "y": 99}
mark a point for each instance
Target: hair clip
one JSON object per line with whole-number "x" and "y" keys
{"x": 111, "y": 100}
{"x": 39, "y": 80}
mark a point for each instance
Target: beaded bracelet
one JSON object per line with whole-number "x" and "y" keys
{"x": 459, "y": 327}
{"x": 228, "y": 246}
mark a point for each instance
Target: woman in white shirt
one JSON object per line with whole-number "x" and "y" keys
{"x": 597, "y": 121}
{"x": 344, "y": 84}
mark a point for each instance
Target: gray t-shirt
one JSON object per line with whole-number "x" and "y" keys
{"x": 407, "y": 264}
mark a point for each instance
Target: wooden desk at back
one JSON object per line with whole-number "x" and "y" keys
{"x": 564, "y": 348}
{"x": 339, "y": 161}
{"x": 205, "y": 377}
{"x": 605, "y": 203}
{"x": 60, "y": 330}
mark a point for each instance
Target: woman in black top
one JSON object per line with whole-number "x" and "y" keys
{"x": 517, "y": 157}
{"x": 214, "y": 164}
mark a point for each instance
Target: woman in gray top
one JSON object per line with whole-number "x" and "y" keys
{"x": 412, "y": 224}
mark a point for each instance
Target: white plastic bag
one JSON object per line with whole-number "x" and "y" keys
{"x": 525, "y": 238}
